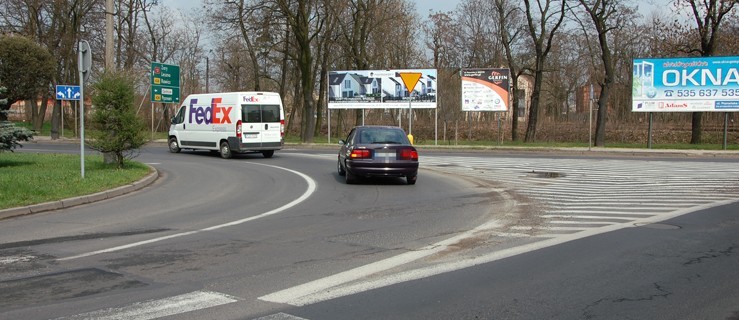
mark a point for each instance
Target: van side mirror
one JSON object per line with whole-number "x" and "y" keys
{"x": 173, "y": 120}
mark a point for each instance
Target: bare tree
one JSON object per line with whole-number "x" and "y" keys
{"x": 605, "y": 16}
{"x": 542, "y": 26}
{"x": 708, "y": 15}
{"x": 306, "y": 20}
{"x": 510, "y": 34}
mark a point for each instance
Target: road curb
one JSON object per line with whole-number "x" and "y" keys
{"x": 76, "y": 201}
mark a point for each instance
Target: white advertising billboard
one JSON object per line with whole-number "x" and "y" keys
{"x": 380, "y": 89}
{"x": 485, "y": 89}
{"x": 709, "y": 84}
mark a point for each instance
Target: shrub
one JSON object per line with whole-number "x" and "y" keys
{"x": 116, "y": 128}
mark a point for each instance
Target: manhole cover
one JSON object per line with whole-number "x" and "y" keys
{"x": 658, "y": 226}
{"x": 548, "y": 174}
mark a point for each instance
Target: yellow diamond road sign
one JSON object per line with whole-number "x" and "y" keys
{"x": 410, "y": 79}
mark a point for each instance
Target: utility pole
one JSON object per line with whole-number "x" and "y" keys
{"x": 109, "y": 34}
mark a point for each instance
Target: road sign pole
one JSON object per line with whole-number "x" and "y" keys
{"x": 410, "y": 79}
{"x": 410, "y": 115}
{"x": 84, "y": 63}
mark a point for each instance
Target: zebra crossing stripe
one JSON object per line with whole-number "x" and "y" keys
{"x": 153, "y": 309}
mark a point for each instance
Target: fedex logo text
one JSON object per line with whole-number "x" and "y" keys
{"x": 214, "y": 114}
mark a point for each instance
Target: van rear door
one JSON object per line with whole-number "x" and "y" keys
{"x": 272, "y": 125}
{"x": 261, "y": 125}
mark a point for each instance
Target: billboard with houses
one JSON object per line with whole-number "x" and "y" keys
{"x": 380, "y": 89}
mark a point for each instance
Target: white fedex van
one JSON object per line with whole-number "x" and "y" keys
{"x": 230, "y": 122}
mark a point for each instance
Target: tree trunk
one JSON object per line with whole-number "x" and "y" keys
{"x": 600, "y": 124}
{"x": 38, "y": 121}
{"x": 514, "y": 107}
{"x": 697, "y": 128}
{"x": 56, "y": 119}
{"x": 534, "y": 108}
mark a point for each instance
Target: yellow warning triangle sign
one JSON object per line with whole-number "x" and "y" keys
{"x": 410, "y": 79}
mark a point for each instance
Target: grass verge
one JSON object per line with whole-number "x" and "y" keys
{"x": 32, "y": 178}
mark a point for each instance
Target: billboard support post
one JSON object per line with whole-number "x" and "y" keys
{"x": 726, "y": 127}
{"x": 590, "y": 118}
{"x": 649, "y": 137}
{"x": 500, "y": 140}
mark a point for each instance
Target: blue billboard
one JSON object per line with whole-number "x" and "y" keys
{"x": 707, "y": 84}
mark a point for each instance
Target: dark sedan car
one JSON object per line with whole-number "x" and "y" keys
{"x": 377, "y": 151}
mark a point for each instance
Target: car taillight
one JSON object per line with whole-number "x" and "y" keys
{"x": 238, "y": 129}
{"x": 282, "y": 128}
{"x": 360, "y": 154}
{"x": 408, "y": 154}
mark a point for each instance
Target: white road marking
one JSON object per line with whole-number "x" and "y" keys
{"x": 280, "y": 316}
{"x": 16, "y": 259}
{"x": 160, "y": 308}
{"x": 308, "y": 192}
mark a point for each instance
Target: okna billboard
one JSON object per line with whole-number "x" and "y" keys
{"x": 708, "y": 84}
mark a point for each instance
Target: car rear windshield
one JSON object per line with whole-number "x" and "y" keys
{"x": 382, "y": 136}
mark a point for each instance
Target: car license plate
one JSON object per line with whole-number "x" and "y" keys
{"x": 384, "y": 155}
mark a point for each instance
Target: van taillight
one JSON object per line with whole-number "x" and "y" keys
{"x": 282, "y": 128}
{"x": 360, "y": 154}
{"x": 238, "y": 129}
{"x": 408, "y": 154}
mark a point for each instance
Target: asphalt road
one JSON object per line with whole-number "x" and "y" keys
{"x": 684, "y": 268}
{"x": 285, "y": 238}
{"x": 243, "y": 228}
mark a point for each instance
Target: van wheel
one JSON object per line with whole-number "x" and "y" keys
{"x": 174, "y": 147}
{"x": 268, "y": 153}
{"x": 225, "y": 150}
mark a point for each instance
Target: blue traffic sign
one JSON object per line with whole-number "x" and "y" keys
{"x": 68, "y": 92}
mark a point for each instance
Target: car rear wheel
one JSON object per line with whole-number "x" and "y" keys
{"x": 350, "y": 178}
{"x": 225, "y": 150}
{"x": 268, "y": 153}
{"x": 174, "y": 147}
{"x": 340, "y": 169}
{"x": 411, "y": 179}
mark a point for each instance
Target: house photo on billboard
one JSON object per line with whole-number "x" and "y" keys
{"x": 380, "y": 89}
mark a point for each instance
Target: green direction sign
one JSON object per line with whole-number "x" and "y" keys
{"x": 165, "y": 83}
{"x": 165, "y": 95}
